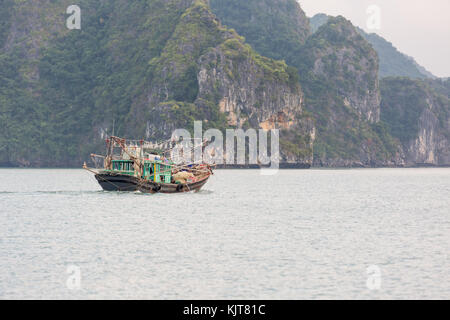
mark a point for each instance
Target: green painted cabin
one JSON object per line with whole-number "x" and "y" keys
{"x": 157, "y": 171}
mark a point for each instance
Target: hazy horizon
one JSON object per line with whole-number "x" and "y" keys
{"x": 416, "y": 28}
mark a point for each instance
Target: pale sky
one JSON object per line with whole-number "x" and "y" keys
{"x": 418, "y": 28}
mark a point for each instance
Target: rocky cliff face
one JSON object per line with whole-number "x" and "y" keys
{"x": 339, "y": 75}
{"x": 392, "y": 62}
{"x": 146, "y": 68}
{"x": 207, "y": 72}
{"x": 250, "y": 88}
{"x": 339, "y": 55}
{"x": 419, "y": 116}
{"x": 256, "y": 92}
{"x": 430, "y": 146}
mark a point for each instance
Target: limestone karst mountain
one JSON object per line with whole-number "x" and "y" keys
{"x": 148, "y": 67}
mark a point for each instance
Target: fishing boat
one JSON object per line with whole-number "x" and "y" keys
{"x": 130, "y": 166}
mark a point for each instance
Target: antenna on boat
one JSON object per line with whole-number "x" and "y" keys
{"x": 114, "y": 122}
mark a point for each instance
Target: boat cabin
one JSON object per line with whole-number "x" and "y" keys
{"x": 122, "y": 166}
{"x": 157, "y": 171}
{"x": 154, "y": 170}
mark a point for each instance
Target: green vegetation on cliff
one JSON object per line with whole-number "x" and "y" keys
{"x": 85, "y": 79}
{"x": 338, "y": 72}
{"x": 417, "y": 112}
{"x": 152, "y": 66}
{"x": 404, "y": 101}
{"x": 274, "y": 28}
{"x": 392, "y": 62}
{"x": 5, "y": 20}
{"x": 134, "y": 64}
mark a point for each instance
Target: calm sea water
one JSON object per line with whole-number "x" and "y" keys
{"x": 306, "y": 234}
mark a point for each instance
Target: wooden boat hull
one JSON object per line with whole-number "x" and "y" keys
{"x": 153, "y": 187}
{"x": 117, "y": 182}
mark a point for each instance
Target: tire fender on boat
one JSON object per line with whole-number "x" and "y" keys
{"x": 157, "y": 188}
{"x": 180, "y": 187}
